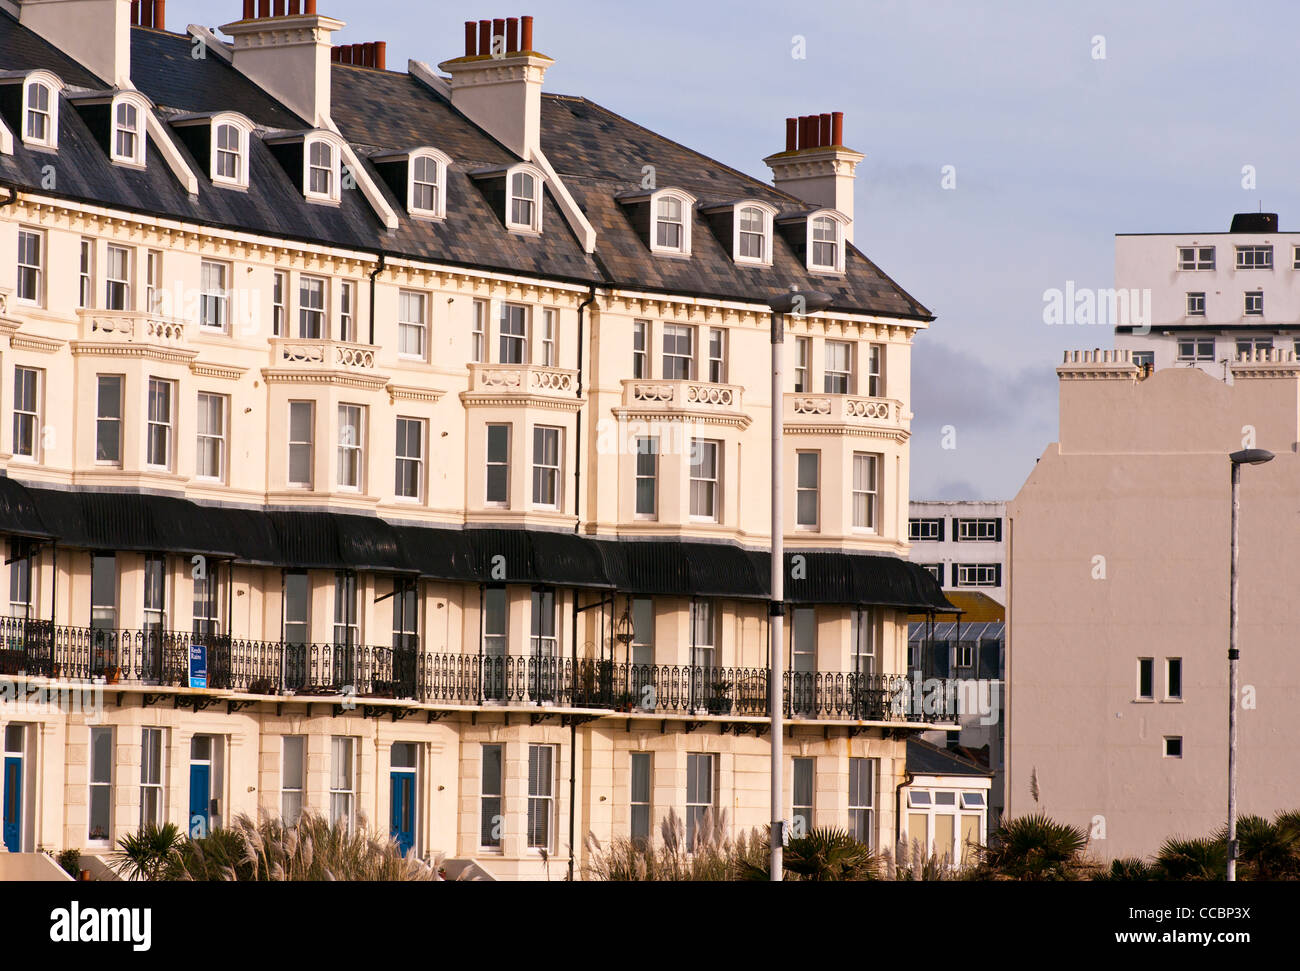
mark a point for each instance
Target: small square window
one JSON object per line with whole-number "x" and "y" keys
{"x": 1173, "y": 746}
{"x": 1254, "y": 306}
{"x": 1196, "y": 305}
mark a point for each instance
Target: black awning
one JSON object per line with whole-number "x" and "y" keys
{"x": 440, "y": 553}
{"x": 680, "y": 569}
{"x": 18, "y": 511}
{"x": 837, "y": 577}
{"x": 568, "y": 560}
{"x": 369, "y": 543}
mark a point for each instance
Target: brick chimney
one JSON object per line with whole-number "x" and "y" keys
{"x": 815, "y": 166}
{"x": 497, "y": 84}
{"x": 95, "y": 33}
{"x": 284, "y": 46}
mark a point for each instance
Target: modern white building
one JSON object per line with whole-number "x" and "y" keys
{"x": 1209, "y": 297}
{"x": 961, "y": 544}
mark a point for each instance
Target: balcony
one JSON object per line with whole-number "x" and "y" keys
{"x": 276, "y": 668}
{"x": 522, "y": 379}
{"x": 841, "y": 411}
{"x": 322, "y": 355}
{"x": 127, "y": 327}
{"x": 650, "y": 400}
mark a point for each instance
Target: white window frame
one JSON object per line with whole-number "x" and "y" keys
{"x": 126, "y": 104}
{"x": 676, "y": 332}
{"x": 208, "y": 438}
{"x": 1253, "y": 303}
{"x": 352, "y": 455}
{"x": 279, "y": 304}
{"x": 1195, "y": 304}
{"x": 696, "y": 764}
{"x": 243, "y": 130}
{"x": 440, "y": 162}
{"x": 547, "y": 337}
{"x": 978, "y": 530}
{"x": 412, "y": 325}
{"x": 97, "y": 779}
{"x": 534, "y": 202}
{"x": 716, "y": 349}
{"x": 1170, "y": 694}
{"x": 710, "y": 485}
{"x": 333, "y": 167}
{"x": 52, "y": 86}
{"x": 26, "y": 413}
{"x": 838, "y": 222}
{"x": 102, "y": 420}
{"x": 978, "y": 575}
{"x": 507, "y": 337}
{"x": 1138, "y": 693}
{"x": 343, "y": 779}
{"x": 802, "y": 365}
{"x": 489, "y": 464}
{"x": 542, "y": 801}
{"x": 640, "y": 810}
{"x": 807, "y": 462}
{"x": 544, "y": 471}
{"x": 686, "y": 210}
{"x": 406, "y": 461}
{"x": 309, "y": 445}
{"x": 478, "y": 335}
{"x": 1257, "y": 257}
{"x": 1199, "y": 352}
{"x": 123, "y": 281}
{"x": 866, "y": 494}
{"x": 492, "y": 799}
{"x": 86, "y": 274}
{"x": 318, "y": 314}
{"x": 830, "y": 374}
{"x": 767, "y": 214}
{"x": 641, "y": 350}
{"x": 646, "y": 448}
{"x": 875, "y": 370}
{"x": 348, "y": 311}
{"x": 153, "y": 762}
{"x": 293, "y": 797}
{"x": 1196, "y": 257}
{"x": 215, "y": 296}
{"x": 165, "y": 428}
{"x": 802, "y": 810}
{"x": 862, "y": 812}
{"x": 37, "y": 269}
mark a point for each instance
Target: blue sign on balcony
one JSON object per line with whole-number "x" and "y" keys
{"x": 198, "y": 666}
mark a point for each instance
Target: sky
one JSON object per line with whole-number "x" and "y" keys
{"x": 1063, "y": 124}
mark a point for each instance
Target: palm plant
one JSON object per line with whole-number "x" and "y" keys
{"x": 147, "y": 854}
{"x": 1035, "y": 847}
{"x": 830, "y": 854}
{"x": 1267, "y": 850}
{"x": 1193, "y": 859}
{"x": 1128, "y": 869}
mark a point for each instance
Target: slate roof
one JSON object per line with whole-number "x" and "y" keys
{"x": 597, "y": 153}
{"x": 926, "y": 759}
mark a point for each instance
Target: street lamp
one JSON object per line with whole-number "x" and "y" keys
{"x": 1248, "y": 456}
{"x": 799, "y": 303}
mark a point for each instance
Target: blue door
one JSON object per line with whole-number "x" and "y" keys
{"x": 200, "y": 790}
{"x": 403, "y": 811}
{"x": 13, "y": 804}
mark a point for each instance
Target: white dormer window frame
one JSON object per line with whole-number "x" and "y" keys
{"x": 817, "y": 243}
{"x": 40, "y": 122}
{"x": 426, "y": 190}
{"x": 321, "y": 172}
{"x": 744, "y": 237}
{"x": 127, "y": 114}
{"x": 228, "y": 164}
{"x": 672, "y": 211}
{"x": 524, "y": 213}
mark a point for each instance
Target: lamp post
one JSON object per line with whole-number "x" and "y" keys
{"x": 798, "y": 303}
{"x": 1249, "y": 456}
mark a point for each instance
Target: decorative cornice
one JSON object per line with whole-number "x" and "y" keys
{"x": 727, "y": 419}
{"x": 168, "y": 355}
{"x": 41, "y": 345}
{"x": 365, "y": 382}
{"x": 476, "y": 399}
{"x": 899, "y": 435}
{"x": 399, "y": 392}
{"x": 222, "y": 372}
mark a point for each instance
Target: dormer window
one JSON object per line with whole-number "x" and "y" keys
{"x": 426, "y": 194}
{"x": 41, "y": 112}
{"x": 753, "y": 243}
{"x": 825, "y": 244}
{"x": 523, "y": 201}
{"x": 322, "y": 171}
{"x": 128, "y": 145}
{"x": 230, "y": 155}
{"x": 671, "y": 232}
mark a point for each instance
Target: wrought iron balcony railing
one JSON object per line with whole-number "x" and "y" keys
{"x": 158, "y": 657}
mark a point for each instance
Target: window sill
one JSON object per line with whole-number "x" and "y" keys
{"x": 1144, "y": 701}
{"x": 1171, "y": 701}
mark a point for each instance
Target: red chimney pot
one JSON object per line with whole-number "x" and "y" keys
{"x": 837, "y": 128}
{"x": 498, "y": 30}
{"x": 250, "y": 9}
{"x": 526, "y": 36}
{"x": 824, "y": 136}
{"x": 471, "y": 38}
{"x": 484, "y": 37}
{"x": 791, "y": 134}
{"x": 160, "y": 14}
{"x": 381, "y": 55}
{"x": 279, "y": 8}
{"x": 263, "y": 8}
{"x": 309, "y": 7}
{"x": 512, "y": 34}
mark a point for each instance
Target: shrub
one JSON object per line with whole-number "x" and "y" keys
{"x": 146, "y": 855}
{"x": 1193, "y": 859}
{"x": 1035, "y": 847}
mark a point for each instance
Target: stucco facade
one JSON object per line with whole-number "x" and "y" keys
{"x": 1118, "y": 609}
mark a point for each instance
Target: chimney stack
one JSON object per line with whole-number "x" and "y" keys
{"x": 285, "y": 47}
{"x": 816, "y": 167}
{"x": 497, "y": 84}
{"x": 366, "y": 55}
{"x": 95, "y": 32}
{"x": 149, "y": 13}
